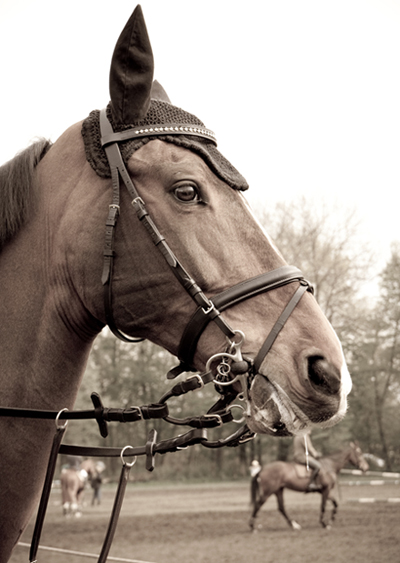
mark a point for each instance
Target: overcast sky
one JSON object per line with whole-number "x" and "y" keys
{"x": 304, "y": 95}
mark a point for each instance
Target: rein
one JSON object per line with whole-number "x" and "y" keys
{"x": 198, "y": 435}
{"x": 219, "y": 414}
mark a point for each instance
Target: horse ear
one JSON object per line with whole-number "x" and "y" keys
{"x": 131, "y": 73}
{"x": 158, "y": 92}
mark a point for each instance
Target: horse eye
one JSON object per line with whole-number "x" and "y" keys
{"x": 186, "y": 193}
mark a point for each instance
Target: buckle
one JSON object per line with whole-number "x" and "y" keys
{"x": 210, "y": 308}
{"x": 198, "y": 377}
{"x": 217, "y": 417}
{"x": 139, "y": 411}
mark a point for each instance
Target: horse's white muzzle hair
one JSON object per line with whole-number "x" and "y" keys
{"x": 274, "y": 412}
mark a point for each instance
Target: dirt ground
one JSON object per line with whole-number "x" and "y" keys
{"x": 209, "y": 523}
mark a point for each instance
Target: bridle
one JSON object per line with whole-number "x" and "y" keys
{"x": 223, "y": 369}
{"x": 207, "y": 309}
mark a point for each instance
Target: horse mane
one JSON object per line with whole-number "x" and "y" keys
{"x": 17, "y": 189}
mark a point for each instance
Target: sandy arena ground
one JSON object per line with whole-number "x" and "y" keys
{"x": 209, "y": 524}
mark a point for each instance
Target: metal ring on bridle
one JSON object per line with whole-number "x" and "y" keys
{"x": 233, "y": 343}
{"x": 235, "y": 357}
{"x": 125, "y": 463}
{"x": 224, "y": 368}
{"x": 230, "y": 407}
{"x": 61, "y": 426}
{"x": 230, "y": 382}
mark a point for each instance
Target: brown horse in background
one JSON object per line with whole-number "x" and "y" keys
{"x": 73, "y": 482}
{"x": 276, "y": 476}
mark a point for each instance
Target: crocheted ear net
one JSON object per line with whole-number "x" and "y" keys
{"x": 159, "y": 113}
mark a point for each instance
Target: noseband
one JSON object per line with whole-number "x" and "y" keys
{"x": 207, "y": 309}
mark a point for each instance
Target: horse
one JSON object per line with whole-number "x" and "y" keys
{"x": 273, "y": 478}
{"x": 79, "y": 253}
{"x": 73, "y": 481}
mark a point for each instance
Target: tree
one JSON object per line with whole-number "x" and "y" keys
{"x": 323, "y": 242}
{"x": 376, "y": 368}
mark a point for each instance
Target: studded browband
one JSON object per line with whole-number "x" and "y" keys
{"x": 154, "y": 130}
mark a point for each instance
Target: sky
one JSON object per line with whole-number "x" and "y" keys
{"x": 303, "y": 95}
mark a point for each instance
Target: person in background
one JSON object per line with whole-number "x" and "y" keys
{"x": 302, "y": 445}
{"x": 96, "y": 482}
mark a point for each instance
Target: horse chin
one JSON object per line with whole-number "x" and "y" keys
{"x": 273, "y": 412}
{"x": 270, "y": 414}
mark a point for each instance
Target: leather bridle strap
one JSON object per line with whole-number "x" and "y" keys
{"x": 118, "y": 169}
{"x": 244, "y": 290}
{"x": 108, "y": 252}
{"x": 44, "y": 499}
{"x": 280, "y": 323}
{"x": 119, "y": 497}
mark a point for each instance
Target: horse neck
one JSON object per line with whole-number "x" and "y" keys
{"x": 38, "y": 350}
{"x": 44, "y": 349}
{"x": 339, "y": 459}
{"x": 42, "y": 354}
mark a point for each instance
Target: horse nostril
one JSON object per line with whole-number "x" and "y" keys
{"x": 323, "y": 375}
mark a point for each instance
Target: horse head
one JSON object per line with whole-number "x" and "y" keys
{"x": 92, "y": 468}
{"x": 186, "y": 264}
{"x": 213, "y": 251}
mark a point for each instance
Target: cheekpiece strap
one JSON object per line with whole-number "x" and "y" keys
{"x": 110, "y": 143}
{"x": 114, "y": 158}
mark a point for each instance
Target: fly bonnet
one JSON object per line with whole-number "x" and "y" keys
{"x": 140, "y": 106}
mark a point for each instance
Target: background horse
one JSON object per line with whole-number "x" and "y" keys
{"x": 73, "y": 481}
{"x": 276, "y": 476}
{"x": 58, "y": 259}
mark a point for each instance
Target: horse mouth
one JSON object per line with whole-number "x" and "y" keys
{"x": 273, "y": 412}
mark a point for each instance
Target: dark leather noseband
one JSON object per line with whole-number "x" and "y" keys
{"x": 208, "y": 309}
{"x": 244, "y": 290}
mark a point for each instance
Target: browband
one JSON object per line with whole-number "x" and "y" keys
{"x": 156, "y": 130}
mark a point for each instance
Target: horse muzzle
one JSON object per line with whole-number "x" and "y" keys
{"x": 273, "y": 411}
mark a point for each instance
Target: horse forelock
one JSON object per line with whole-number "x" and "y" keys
{"x": 18, "y": 190}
